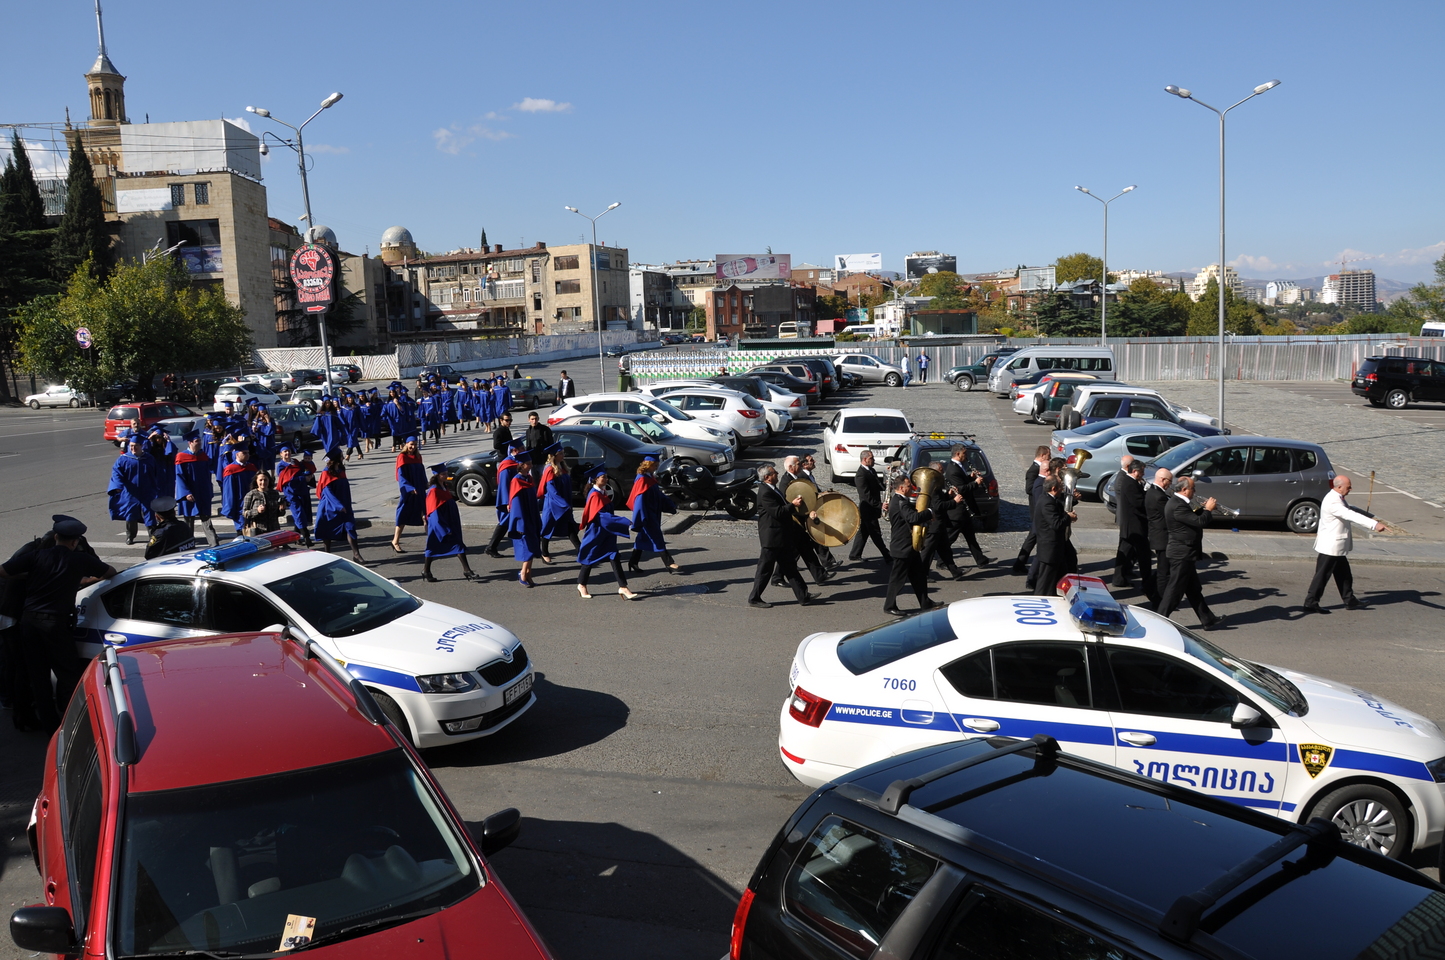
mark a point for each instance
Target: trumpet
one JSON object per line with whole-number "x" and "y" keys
{"x": 927, "y": 480}
{"x": 1198, "y": 501}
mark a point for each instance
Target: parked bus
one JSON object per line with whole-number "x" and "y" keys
{"x": 1433, "y": 329}
{"x": 790, "y": 329}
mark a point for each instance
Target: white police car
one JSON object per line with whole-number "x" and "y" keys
{"x": 441, "y": 674}
{"x": 1123, "y": 686}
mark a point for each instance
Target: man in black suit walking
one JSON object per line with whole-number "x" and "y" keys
{"x": 1186, "y": 539}
{"x": 1056, "y": 552}
{"x": 962, "y": 508}
{"x": 1133, "y": 521}
{"x": 807, "y": 551}
{"x": 907, "y": 564}
{"x": 870, "y": 508}
{"x": 1039, "y": 464}
{"x": 777, "y": 523}
{"x": 1156, "y": 498}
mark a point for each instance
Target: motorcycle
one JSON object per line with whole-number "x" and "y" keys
{"x": 696, "y": 488}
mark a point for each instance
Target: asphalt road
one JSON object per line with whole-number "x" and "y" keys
{"x": 648, "y": 772}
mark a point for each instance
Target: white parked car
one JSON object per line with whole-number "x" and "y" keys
{"x": 852, "y": 431}
{"x": 444, "y": 675}
{"x": 779, "y": 415}
{"x": 741, "y": 413}
{"x": 241, "y": 393}
{"x": 56, "y": 395}
{"x": 1122, "y": 686}
{"x": 870, "y": 368}
{"x": 678, "y": 421}
{"x": 270, "y": 381}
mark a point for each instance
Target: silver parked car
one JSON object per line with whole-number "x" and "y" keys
{"x": 56, "y": 395}
{"x": 869, "y": 368}
{"x": 1144, "y": 439}
{"x": 1263, "y": 478}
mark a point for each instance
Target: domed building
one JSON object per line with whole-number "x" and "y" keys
{"x": 397, "y": 245}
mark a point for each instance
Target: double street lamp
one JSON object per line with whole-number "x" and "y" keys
{"x": 1104, "y": 288}
{"x": 1184, "y": 94}
{"x": 592, "y": 267}
{"x": 299, "y": 146}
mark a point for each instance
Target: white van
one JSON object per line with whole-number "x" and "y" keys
{"x": 789, "y": 329}
{"x": 869, "y": 330}
{"x": 1041, "y": 356}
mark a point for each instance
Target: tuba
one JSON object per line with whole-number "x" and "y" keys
{"x": 927, "y": 480}
{"x": 1071, "y": 477}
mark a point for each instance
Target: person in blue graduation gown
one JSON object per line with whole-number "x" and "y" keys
{"x": 648, "y": 503}
{"x": 237, "y": 479}
{"x": 132, "y": 487}
{"x": 506, "y": 470}
{"x": 334, "y": 519}
{"x": 504, "y": 396}
{"x": 466, "y": 404}
{"x": 371, "y": 419}
{"x": 263, "y": 441}
{"x": 411, "y": 495}
{"x": 293, "y": 482}
{"x": 327, "y": 427}
{"x": 448, "y": 406}
{"x": 194, "y": 492}
{"x": 391, "y": 417}
{"x": 600, "y": 530}
{"x": 349, "y": 413}
{"x": 555, "y": 489}
{"x": 524, "y": 518}
{"x": 443, "y": 526}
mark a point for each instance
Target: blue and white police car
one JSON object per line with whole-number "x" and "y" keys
{"x": 441, "y": 674}
{"x": 1122, "y": 686}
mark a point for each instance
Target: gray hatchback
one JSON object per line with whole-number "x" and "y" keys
{"x": 1263, "y": 478}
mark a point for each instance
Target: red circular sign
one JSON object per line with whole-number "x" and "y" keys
{"x": 313, "y": 270}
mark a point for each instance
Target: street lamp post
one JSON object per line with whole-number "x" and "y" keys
{"x": 1184, "y": 94}
{"x": 299, "y": 146}
{"x": 592, "y": 267}
{"x": 1104, "y": 290}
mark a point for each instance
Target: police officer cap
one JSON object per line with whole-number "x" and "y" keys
{"x": 163, "y": 504}
{"x": 67, "y": 528}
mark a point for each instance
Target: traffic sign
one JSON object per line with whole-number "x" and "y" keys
{"x": 82, "y": 337}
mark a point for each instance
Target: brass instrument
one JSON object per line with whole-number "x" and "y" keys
{"x": 1197, "y": 502}
{"x": 927, "y": 480}
{"x": 804, "y": 489}
{"x": 1071, "y": 477}
{"x": 837, "y": 522}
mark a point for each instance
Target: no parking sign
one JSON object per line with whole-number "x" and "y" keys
{"x": 82, "y": 337}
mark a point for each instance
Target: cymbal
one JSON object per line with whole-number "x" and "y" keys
{"x": 804, "y": 489}
{"x": 838, "y": 520}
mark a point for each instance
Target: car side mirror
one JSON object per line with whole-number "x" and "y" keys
{"x": 499, "y": 831}
{"x": 1245, "y": 717}
{"x": 43, "y": 930}
{"x": 1199, "y": 475}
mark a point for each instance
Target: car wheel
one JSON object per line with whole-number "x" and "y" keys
{"x": 74, "y": 402}
{"x": 298, "y": 442}
{"x": 473, "y": 489}
{"x": 893, "y": 380}
{"x": 34, "y": 404}
{"x": 1303, "y": 517}
{"x": 686, "y": 462}
{"x": 393, "y": 713}
{"x": 964, "y": 383}
{"x": 1367, "y": 816}
{"x": 1036, "y": 409}
{"x": 615, "y": 488}
{"x": 1099, "y": 490}
{"x": 1397, "y": 399}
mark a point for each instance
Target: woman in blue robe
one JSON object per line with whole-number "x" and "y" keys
{"x": 263, "y": 442}
{"x": 524, "y": 518}
{"x": 293, "y": 482}
{"x": 411, "y": 484}
{"x": 391, "y": 416}
{"x": 327, "y": 427}
{"x": 132, "y": 488}
{"x": 600, "y": 530}
{"x": 487, "y": 403}
{"x": 237, "y": 479}
{"x": 648, "y": 503}
{"x": 556, "y": 491}
{"x": 350, "y": 417}
{"x": 504, "y": 396}
{"x": 334, "y": 519}
{"x": 443, "y": 526}
{"x": 193, "y": 488}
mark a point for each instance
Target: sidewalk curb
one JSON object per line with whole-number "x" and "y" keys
{"x": 683, "y": 524}
{"x": 1354, "y": 560}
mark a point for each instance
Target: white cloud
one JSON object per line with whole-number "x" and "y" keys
{"x": 1416, "y": 255}
{"x": 455, "y": 138}
{"x": 241, "y": 122}
{"x": 540, "y": 105}
{"x": 493, "y": 115}
{"x": 1249, "y": 265}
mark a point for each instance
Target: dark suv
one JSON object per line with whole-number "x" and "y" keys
{"x": 1395, "y": 382}
{"x": 1001, "y": 848}
{"x": 928, "y": 448}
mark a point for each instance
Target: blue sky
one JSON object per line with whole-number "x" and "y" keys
{"x": 813, "y": 128}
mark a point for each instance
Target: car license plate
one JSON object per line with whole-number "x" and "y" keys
{"x": 519, "y": 689}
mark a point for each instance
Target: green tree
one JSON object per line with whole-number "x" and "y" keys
{"x": 82, "y": 235}
{"x": 1241, "y": 317}
{"x": 21, "y": 208}
{"x": 145, "y": 320}
{"x": 1078, "y": 266}
{"x": 943, "y": 285}
{"x": 1056, "y": 316}
{"x": 697, "y": 319}
{"x": 1423, "y": 304}
{"x": 1147, "y": 309}
{"x": 834, "y": 306}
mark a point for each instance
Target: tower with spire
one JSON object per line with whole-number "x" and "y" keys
{"x": 107, "y": 86}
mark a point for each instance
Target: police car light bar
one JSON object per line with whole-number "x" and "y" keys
{"x": 1091, "y": 605}
{"x": 245, "y": 546}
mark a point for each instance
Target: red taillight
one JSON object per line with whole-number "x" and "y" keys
{"x": 797, "y": 402}
{"x": 839, "y": 448}
{"x": 553, "y": 421}
{"x": 740, "y": 920}
{"x": 807, "y": 708}
{"x": 1073, "y": 457}
{"x": 992, "y": 487}
{"x": 1372, "y": 377}
{"x": 750, "y": 414}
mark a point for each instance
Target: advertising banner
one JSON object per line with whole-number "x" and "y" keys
{"x": 921, "y": 265}
{"x": 754, "y": 266}
{"x": 313, "y": 270}
{"x": 858, "y": 262}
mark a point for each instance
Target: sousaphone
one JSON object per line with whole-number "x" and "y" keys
{"x": 838, "y": 520}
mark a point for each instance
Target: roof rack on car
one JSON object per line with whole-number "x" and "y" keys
{"x": 364, "y": 701}
{"x": 899, "y": 790}
{"x": 1183, "y": 918}
{"x": 125, "y": 748}
{"x": 943, "y": 435}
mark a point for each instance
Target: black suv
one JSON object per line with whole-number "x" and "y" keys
{"x": 927, "y": 448}
{"x": 1396, "y": 381}
{"x": 1003, "y": 848}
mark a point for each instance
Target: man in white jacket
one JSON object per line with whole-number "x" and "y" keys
{"x": 1332, "y": 541}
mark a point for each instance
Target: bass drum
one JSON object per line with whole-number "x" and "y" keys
{"x": 838, "y": 520}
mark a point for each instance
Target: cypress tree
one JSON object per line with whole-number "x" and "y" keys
{"x": 82, "y": 232}
{"x": 20, "y": 205}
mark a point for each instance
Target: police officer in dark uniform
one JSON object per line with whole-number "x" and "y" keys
{"x": 47, "y": 625}
{"x": 170, "y": 535}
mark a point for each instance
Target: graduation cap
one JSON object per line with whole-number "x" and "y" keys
{"x": 524, "y": 456}
{"x": 410, "y": 439}
{"x": 594, "y": 473}
{"x": 334, "y": 454}
{"x": 438, "y": 468}
{"x": 134, "y": 438}
{"x": 306, "y": 453}
{"x": 650, "y": 458}
{"x": 284, "y": 446}
{"x": 552, "y": 448}
{"x": 191, "y": 436}
{"x": 515, "y": 445}
{"x": 67, "y": 528}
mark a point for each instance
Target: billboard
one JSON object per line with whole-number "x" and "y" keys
{"x": 313, "y": 268}
{"x": 920, "y": 265}
{"x": 858, "y": 262}
{"x": 754, "y": 266}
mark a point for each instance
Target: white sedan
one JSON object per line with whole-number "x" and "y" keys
{"x": 442, "y": 674}
{"x": 779, "y": 415}
{"x": 852, "y": 431}
{"x": 1126, "y": 687}
{"x": 240, "y": 393}
{"x": 56, "y": 395}
{"x": 678, "y": 421}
